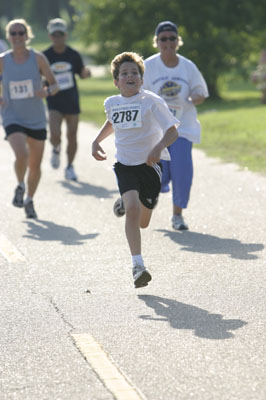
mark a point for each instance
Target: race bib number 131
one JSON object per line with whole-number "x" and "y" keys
{"x": 21, "y": 89}
{"x": 127, "y": 116}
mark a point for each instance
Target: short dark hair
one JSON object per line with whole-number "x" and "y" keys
{"x": 126, "y": 57}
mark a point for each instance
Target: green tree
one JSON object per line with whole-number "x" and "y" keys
{"x": 218, "y": 35}
{"x": 36, "y": 12}
{"x": 41, "y": 12}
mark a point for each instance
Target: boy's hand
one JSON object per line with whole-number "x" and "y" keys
{"x": 154, "y": 156}
{"x": 97, "y": 152}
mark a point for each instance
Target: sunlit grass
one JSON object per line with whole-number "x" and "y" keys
{"x": 237, "y": 135}
{"x": 233, "y": 129}
{"x": 41, "y": 41}
{"x": 93, "y": 92}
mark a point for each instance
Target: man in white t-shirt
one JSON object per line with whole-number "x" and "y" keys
{"x": 143, "y": 127}
{"x": 179, "y": 82}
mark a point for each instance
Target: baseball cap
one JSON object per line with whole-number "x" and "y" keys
{"x": 165, "y": 26}
{"x": 56, "y": 25}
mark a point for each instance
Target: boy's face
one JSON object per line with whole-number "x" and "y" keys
{"x": 129, "y": 79}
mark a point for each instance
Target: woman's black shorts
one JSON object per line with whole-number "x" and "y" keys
{"x": 39, "y": 134}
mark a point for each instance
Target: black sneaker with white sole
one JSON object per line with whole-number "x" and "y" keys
{"x": 119, "y": 208}
{"x": 141, "y": 276}
{"x": 55, "y": 158}
{"x": 18, "y": 198}
{"x": 29, "y": 210}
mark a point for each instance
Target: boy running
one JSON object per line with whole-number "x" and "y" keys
{"x": 143, "y": 127}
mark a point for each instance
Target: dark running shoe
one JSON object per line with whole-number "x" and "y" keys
{"x": 55, "y": 158}
{"x": 119, "y": 208}
{"x": 18, "y": 198}
{"x": 29, "y": 210}
{"x": 141, "y": 276}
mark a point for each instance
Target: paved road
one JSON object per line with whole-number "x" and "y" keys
{"x": 74, "y": 328}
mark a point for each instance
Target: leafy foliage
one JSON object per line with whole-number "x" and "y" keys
{"x": 233, "y": 129}
{"x": 37, "y": 13}
{"x": 218, "y": 35}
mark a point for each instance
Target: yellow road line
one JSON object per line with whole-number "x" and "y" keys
{"x": 9, "y": 251}
{"x": 117, "y": 383}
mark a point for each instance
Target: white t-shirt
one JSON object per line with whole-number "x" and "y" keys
{"x": 139, "y": 123}
{"x": 175, "y": 85}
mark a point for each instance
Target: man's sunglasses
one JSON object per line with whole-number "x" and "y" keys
{"x": 19, "y": 33}
{"x": 58, "y": 34}
{"x": 165, "y": 38}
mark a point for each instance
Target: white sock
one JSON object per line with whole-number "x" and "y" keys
{"x": 28, "y": 199}
{"x": 57, "y": 148}
{"x": 22, "y": 185}
{"x": 137, "y": 260}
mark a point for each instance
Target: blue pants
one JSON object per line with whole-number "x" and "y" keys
{"x": 179, "y": 170}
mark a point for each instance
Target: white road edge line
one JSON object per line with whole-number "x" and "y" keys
{"x": 9, "y": 251}
{"x": 114, "y": 380}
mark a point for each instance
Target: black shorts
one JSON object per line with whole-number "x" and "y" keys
{"x": 61, "y": 110}
{"x": 146, "y": 180}
{"x": 39, "y": 134}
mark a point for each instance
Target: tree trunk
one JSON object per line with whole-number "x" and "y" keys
{"x": 213, "y": 91}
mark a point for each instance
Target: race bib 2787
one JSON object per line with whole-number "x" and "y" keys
{"x": 127, "y": 116}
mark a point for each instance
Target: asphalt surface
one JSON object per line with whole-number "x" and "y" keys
{"x": 196, "y": 332}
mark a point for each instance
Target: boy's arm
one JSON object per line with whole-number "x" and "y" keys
{"x": 97, "y": 151}
{"x": 170, "y": 136}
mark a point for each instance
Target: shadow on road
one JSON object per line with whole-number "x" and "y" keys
{"x": 185, "y": 316}
{"x": 204, "y": 243}
{"x": 86, "y": 189}
{"x": 49, "y": 231}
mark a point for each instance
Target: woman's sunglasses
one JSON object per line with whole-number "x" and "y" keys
{"x": 20, "y": 33}
{"x": 165, "y": 38}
